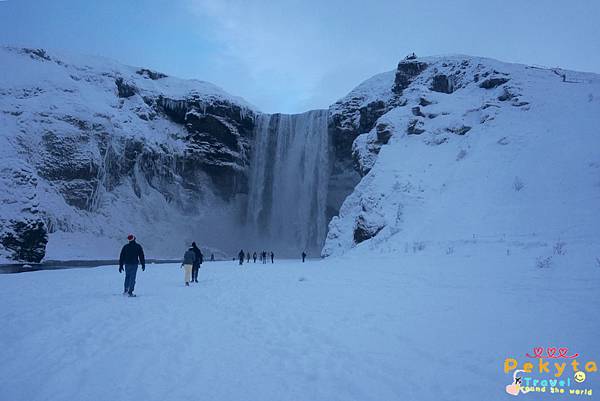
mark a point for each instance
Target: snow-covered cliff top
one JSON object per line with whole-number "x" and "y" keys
{"x": 75, "y": 72}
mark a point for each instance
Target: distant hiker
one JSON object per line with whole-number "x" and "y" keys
{"x": 264, "y": 257}
{"x": 241, "y": 257}
{"x": 189, "y": 258}
{"x": 212, "y": 257}
{"x": 303, "y": 256}
{"x": 254, "y": 257}
{"x": 197, "y": 262}
{"x": 272, "y": 257}
{"x": 248, "y": 257}
{"x": 131, "y": 254}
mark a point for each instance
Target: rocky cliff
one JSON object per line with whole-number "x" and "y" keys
{"x": 92, "y": 149}
{"x": 457, "y": 148}
{"x": 442, "y": 148}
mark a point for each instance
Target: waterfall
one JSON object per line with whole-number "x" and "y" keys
{"x": 289, "y": 180}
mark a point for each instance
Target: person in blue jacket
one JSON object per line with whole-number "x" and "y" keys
{"x": 132, "y": 254}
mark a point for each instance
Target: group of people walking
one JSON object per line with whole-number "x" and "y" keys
{"x": 132, "y": 256}
{"x": 263, "y": 256}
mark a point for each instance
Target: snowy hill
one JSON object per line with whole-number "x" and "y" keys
{"x": 471, "y": 149}
{"x": 92, "y": 149}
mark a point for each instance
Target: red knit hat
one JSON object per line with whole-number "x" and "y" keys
{"x": 131, "y": 237}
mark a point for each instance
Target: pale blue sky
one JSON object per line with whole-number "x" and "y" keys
{"x": 294, "y": 55}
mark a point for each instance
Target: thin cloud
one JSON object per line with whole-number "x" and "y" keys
{"x": 286, "y": 49}
{"x": 294, "y": 55}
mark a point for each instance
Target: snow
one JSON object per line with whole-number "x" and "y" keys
{"x": 378, "y": 87}
{"x": 57, "y": 93}
{"x": 414, "y": 325}
{"x": 441, "y": 186}
{"x": 76, "y": 70}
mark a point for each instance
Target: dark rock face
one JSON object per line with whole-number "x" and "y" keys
{"x": 460, "y": 130}
{"x": 416, "y": 111}
{"x": 212, "y": 129}
{"x": 65, "y": 163}
{"x": 407, "y": 71}
{"x": 217, "y": 146}
{"x": 506, "y": 95}
{"x": 343, "y": 131}
{"x": 344, "y": 127}
{"x": 154, "y": 75}
{"x": 364, "y": 230}
{"x": 364, "y": 155}
{"x": 26, "y": 239}
{"x": 384, "y": 133}
{"x": 219, "y": 136}
{"x": 424, "y": 102}
{"x": 370, "y": 114}
{"x": 124, "y": 89}
{"x": 414, "y": 128}
{"x": 39, "y": 54}
{"x": 442, "y": 83}
{"x": 492, "y": 83}
{"x": 23, "y": 232}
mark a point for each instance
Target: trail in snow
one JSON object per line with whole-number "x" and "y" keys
{"x": 418, "y": 326}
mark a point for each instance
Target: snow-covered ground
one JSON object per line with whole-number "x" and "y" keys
{"x": 419, "y": 324}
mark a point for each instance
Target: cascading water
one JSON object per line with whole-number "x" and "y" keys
{"x": 289, "y": 181}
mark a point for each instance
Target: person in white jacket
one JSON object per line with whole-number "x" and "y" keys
{"x": 188, "y": 263}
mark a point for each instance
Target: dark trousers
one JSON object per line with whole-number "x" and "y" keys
{"x": 130, "y": 273}
{"x": 195, "y": 268}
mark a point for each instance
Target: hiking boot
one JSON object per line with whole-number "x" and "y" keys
{"x": 132, "y": 295}
{"x": 187, "y": 284}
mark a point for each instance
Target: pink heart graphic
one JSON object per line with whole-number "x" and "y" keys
{"x": 537, "y": 352}
{"x": 512, "y": 389}
{"x": 551, "y": 352}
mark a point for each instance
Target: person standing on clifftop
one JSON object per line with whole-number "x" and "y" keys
{"x": 272, "y": 257}
{"x": 254, "y": 257}
{"x": 131, "y": 254}
{"x": 303, "y": 256}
